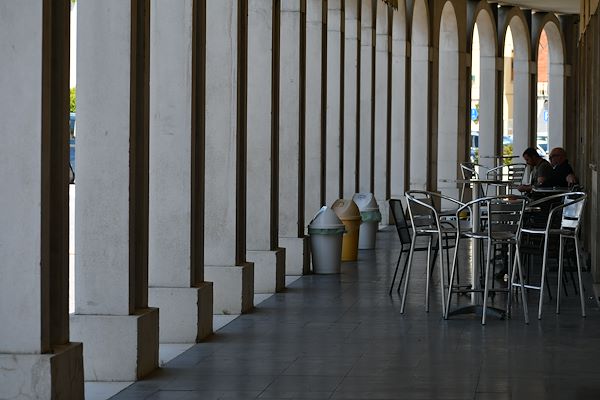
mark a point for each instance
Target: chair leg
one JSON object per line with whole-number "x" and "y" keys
{"x": 452, "y": 272}
{"x": 522, "y": 282}
{"x": 560, "y": 272}
{"x": 510, "y": 267}
{"x": 428, "y": 278}
{"x": 543, "y": 280}
{"x": 403, "y": 272}
{"x": 486, "y": 281}
{"x": 442, "y": 280}
{"x": 396, "y": 271}
{"x": 410, "y": 257}
{"x": 579, "y": 276}
{"x": 447, "y": 255}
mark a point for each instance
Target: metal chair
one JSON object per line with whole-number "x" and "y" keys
{"x": 502, "y": 226}
{"x": 512, "y": 174}
{"x": 426, "y": 222}
{"x": 468, "y": 170}
{"x": 563, "y": 220}
{"x": 404, "y": 235}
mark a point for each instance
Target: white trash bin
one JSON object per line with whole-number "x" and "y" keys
{"x": 370, "y": 216}
{"x": 326, "y": 232}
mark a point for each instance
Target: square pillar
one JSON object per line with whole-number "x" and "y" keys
{"x": 37, "y": 360}
{"x": 314, "y": 117}
{"x": 263, "y": 161}
{"x": 398, "y": 106}
{"x": 335, "y": 80}
{"x": 291, "y": 139}
{"x": 176, "y": 189}
{"x": 225, "y": 162}
{"x": 112, "y": 316}
{"x": 367, "y": 60}
{"x": 382, "y": 156}
{"x": 351, "y": 115}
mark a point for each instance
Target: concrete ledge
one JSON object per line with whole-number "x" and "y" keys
{"x": 43, "y": 376}
{"x": 269, "y": 270}
{"x": 233, "y": 287}
{"x": 182, "y": 312}
{"x": 297, "y": 255}
{"x": 118, "y": 347}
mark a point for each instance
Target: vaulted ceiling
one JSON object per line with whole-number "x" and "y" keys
{"x": 558, "y": 6}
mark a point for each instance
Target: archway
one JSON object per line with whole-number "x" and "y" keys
{"x": 516, "y": 104}
{"x": 550, "y": 89}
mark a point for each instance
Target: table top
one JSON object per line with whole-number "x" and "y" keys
{"x": 483, "y": 180}
{"x": 553, "y": 190}
{"x": 503, "y": 156}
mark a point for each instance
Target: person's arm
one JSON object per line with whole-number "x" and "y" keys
{"x": 545, "y": 172}
{"x": 571, "y": 178}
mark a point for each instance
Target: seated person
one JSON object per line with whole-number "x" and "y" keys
{"x": 541, "y": 173}
{"x": 562, "y": 172}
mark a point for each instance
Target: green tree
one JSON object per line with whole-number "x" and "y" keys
{"x": 72, "y": 101}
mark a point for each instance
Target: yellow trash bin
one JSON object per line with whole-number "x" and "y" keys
{"x": 347, "y": 211}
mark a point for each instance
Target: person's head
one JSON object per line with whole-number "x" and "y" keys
{"x": 557, "y": 156}
{"x": 531, "y": 156}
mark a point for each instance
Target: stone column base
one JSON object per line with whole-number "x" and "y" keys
{"x": 297, "y": 255}
{"x": 43, "y": 376}
{"x": 118, "y": 347}
{"x": 233, "y": 287}
{"x": 186, "y": 314}
{"x": 269, "y": 270}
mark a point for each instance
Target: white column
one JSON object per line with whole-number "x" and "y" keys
{"x": 291, "y": 209}
{"x": 366, "y": 85}
{"x": 398, "y": 140}
{"x": 448, "y": 110}
{"x": 487, "y": 109}
{"x": 419, "y": 81}
{"x": 556, "y": 103}
{"x": 312, "y": 165}
{"x": 381, "y": 109}
{"x": 334, "y": 80}
{"x": 111, "y": 315}
{"x": 225, "y": 217}
{"x": 261, "y": 241}
{"x": 522, "y": 105}
{"x": 175, "y": 274}
{"x": 350, "y": 97}
{"x": 34, "y": 330}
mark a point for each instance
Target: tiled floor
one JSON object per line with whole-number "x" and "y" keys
{"x": 343, "y": 337}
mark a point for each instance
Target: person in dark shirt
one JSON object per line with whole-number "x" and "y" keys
{"x": 541, "y": 170}
{"x": 562, "y": 172}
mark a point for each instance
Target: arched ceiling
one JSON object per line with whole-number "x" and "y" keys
{"x": 557, "y": 6}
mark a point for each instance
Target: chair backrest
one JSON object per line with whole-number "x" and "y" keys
{"x": 572, "y": 210}
{"x": 563, "y": 210}
{"x": 421, "y": 209}
{"x": 399, "y": 216}
{"x": 505, "y": 214}
{"x": 468, "y": 171}
{"x": 513, "y": 173}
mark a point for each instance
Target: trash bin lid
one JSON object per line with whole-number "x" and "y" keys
{"x": 365, "y": 201}
{"x": 346, "y": 209}
{"x": 325, "y": 218}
